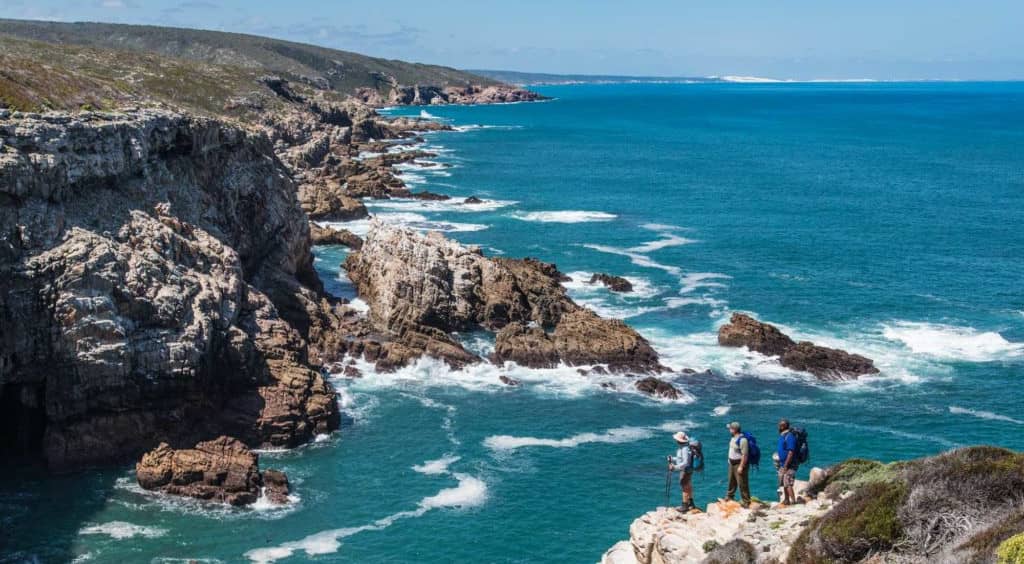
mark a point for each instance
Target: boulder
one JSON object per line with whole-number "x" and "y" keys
{"x": 508, "y": 381}
{"x": 429, "y": 196}
{"x": 613, "y": 283}
{"x": 472, "y": 200}
{"x": 657, "y": 388}
{"x": 825, "y": 363}
{"x": 222, "y": 470}
{"x": 332, "y": 236}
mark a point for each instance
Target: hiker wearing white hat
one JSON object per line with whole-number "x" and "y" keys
{"x": 688, "y": 455}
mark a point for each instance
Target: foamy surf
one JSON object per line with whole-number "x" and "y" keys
{"x": 618, "y": 435}
{"x": 120, "y": 530}
{"x": 982, "y": 414}
{"x": 453, "y": 205}
{"x": 470, "y": 492}
{"x": 565, "y": 216}
{"x": 438, "y": 466}
{"x": 952, "y": 343}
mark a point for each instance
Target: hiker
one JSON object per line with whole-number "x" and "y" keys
{"x": 739, "y": 464}
{"x": 683, "y": 462}
{"x": 789, "y": 461}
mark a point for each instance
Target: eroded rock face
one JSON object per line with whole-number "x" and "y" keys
{"x": 222, "y": 470}
{"x": 153, "y": 270}
{"x": 426, "y": 284}
{"x": 825, "y": 363}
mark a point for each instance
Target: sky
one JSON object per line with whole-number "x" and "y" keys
{"x": 797, "y": 39}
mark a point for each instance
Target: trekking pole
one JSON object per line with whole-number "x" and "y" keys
{"x": 668, "y": 486}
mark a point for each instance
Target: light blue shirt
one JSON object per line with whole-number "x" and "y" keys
{"x": 683, "y": 460}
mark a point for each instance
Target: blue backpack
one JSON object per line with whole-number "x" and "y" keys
{"x": 696, "y": 455}
{"x": 753, "y": 451}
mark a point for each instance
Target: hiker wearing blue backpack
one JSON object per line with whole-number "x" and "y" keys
{"x": 688, "y": 459}
{"x": 790, "y": 456}
{"x": 743, "y": 453}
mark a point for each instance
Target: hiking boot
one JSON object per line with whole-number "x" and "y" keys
{"x": 745, "y": 504}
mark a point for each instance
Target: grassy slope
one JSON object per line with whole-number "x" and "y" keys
{"x": 71, "y": 65}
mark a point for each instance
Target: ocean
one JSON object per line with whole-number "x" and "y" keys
{"x": 881, "y": 218}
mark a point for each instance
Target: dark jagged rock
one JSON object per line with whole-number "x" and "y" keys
{"x": 508, "y": 381}
{"x": 657, "y": 388}
{"x": 331, "y": 236}
{"x": 472, "y": 200}
{"x": 613, "y": 283}
{"x": 429, "y": 196}
{"x": 825, "y": 363}
{"x": 222, "y": 470}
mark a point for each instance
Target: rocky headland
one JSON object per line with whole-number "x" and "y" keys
{"x": 428, "y": 286}
{"x": 954, "y": 507}
{"x": 824, "y": 363}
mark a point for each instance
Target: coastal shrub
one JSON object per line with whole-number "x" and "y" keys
{"x": 954, "y": 495}
{"x": 980, "y": 546}
{"x": 865, "y": 522}
{"x": 804, "y": 548}
{"x": 710, "y": 545}
{"x": 736, "y": 551}
{"x": 1011, "y": 551}
{"x": 851, "y": 474}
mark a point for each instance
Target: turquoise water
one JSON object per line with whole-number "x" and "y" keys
{"x": 881, "y": 218}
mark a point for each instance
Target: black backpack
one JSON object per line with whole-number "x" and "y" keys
{"x": 803, "y": 452}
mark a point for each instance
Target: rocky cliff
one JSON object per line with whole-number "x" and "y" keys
{"x": 156, "y": 284}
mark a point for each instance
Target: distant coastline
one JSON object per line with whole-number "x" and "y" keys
{"x": 524, "y": 79}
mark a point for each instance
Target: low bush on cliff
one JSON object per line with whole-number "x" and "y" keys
{"x": 1011, "y": 551}
{"x": 958, "y": 506}
{"x": 736, "y": 551}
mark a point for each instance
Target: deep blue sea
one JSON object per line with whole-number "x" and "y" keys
{"x": 885, "y": 219}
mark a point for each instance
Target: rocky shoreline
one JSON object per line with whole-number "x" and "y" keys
{"x": 156, "y": 278}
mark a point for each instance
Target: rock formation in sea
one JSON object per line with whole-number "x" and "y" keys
{"x": 954, "y": 507}
{"x": 155, "y": 268}
{"x": 657, "y": 388}
{"x": 429, "y": 285}
{"x": 334, "y": 236}
{"x": 222, "y": 469}
{"x": 825, "y": 363}
{"x": 612, "y": 282}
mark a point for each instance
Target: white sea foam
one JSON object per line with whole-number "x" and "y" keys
{"x": 617, "y": 435}
{"x": 561, "y": 381}
{"x": 447, "y": 206}
{"x": 980, "y": 414}
{"x": 475, "y": 127}
{"x": 616, "y": 305}
{"x": 470, "y": 492}
{"x": 667, "y": 240}
{"x": 120, "y": 530}
{"x": 411, "y": 220}
{"x": 263, "y": 503}
{"x": 359, "y": 305}
{"x": 439, "y": 466}
{"x": 721, "y": 410}
{"x": 427, "y": 115}
{"x": 565, "y": 216}
{"x": 952, "y": 343}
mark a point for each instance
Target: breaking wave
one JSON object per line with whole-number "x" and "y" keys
{"x": 119, "y": 530}
{"x": 567, "y": 216}
{"x": 952, "y": 343}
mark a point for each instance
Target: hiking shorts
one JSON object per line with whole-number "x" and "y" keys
{"x": 685, "y": 479}
{"x": 787, "y": 477}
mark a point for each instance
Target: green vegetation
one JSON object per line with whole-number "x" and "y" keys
{"x": 324, "y": 68}
{"x": 986, "y": 542}
{"x": 1011, "y": 551}
{"x": 854, "y": 473}
{"x": 864, "y": 522}
{"x": 710, "y": 545}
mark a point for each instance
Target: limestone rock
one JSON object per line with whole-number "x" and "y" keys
{"x": 429, "y": 285}
{"x": 825, "y": 363}
{"x": 154, "y": 268}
